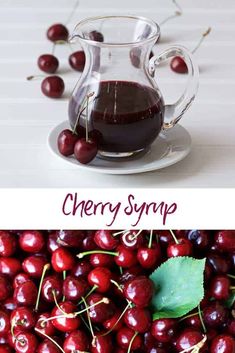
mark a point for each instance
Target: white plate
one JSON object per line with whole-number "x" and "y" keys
{"x": 169, "y": 148}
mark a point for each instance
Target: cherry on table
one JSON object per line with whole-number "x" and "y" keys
{"x": 77, "y": 60}
{"x": 7, "y": 243}
{"x": 48, "y": 63}
{"x": 52, "y": 86}
{"x": 85, "y": 150}
{"x": 57, "y": 32}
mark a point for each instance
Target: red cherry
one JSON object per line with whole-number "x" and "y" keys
{"x": 25, "y": 342}
{"x": 178, "y": 65}
{"x": 220, "y": 287}
{"x": 22, "y": 318}
{"x": 81, "y": 269}
{"x": 57, "y": 32}
{"x": 105, "y": 240}
{"x": 96, "y": 36}
{"x": 26, "y": 294}
{"x": 52, "y": 243}
{"x": 62, "y": 260}
{"x": 70, "y": 238}
{"x": 77, "y": 60}
{"x": 102, "y": 344}
{"x": 7, "y": 244}
{"x": 31, "y": 241}
{"x": 51, "y": 286}
{"x": 139, "y": 291}
{"x": 48, "y": 63}
{"x": 138, "y": 319}
{"x": 33, "y": 265}
{"x": 225, "y": 240}
{"x": 20, "y": 278}
{"x": 76, "y": 341}
{"x": 4, "y": 323}
{"x": 124, "y": 337}
{"x": 52, "y": 86}
{"x": 66, "y": 142}
{"x": 132, "y": 240}
{"x": 85, "y": 150}
{"x": 101, "y": 278}
{"x": 74, "y": 288}
{"x": 101, "y": 260}
{"x": 9, "y": 304}
{"x": 9, "y": 266}
{"x": 45, "y": 327}
{"x": 223, "y": 344}
{"x": 114, "y": 323}
{"x": 125, "y": 257}
{"x": 5, "y": 288}
{"x": 188, "y": 338}
{"x": 4, "y": 348}
{"x": 63, "y": 323}
{"x": 47, "y": 346}
{"x": 149, "y": 257}
{"x": 183, "y": 248}
{"x": 164, "y": 330}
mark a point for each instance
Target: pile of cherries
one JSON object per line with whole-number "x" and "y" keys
{"x": 90, "y": 291}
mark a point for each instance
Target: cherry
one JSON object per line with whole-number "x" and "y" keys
{"x": 9, "y": 266}
{"x": 188, "y": 338}
{"x": 101, "y": 312}
{"x": 57, "y": 32}
{"x": 7, "y": 244}
{"x": 70, "y": 238}
{"x": 74, "y": 288}
{"x": 20, "y": 278}
{"x": 9, "y": 304}
{"x": 193, "y": 321}
{"x": 48, "y": 63}
{"x": 52, "y": 86}
{"x": 219, "y": 264}
{"x": 139, "y": 291}
{"x": 52, "y": 243}
{"x": 66, "y": 142}
{"x": 132, "y": 239}
{"x": 225, "y": 240}
{"x": 105, "y": 240}
{"x": 25, "y": 342}
{"x": 125, "y": 257}
{"x": 96, "y": 36}
{"x": 182, "y": 248}
{"x": 199, "y": 238}
{"x": 77, "y": 60}
{"x": 130, "y": 273}
{"x": 22, "y": 318}
{"x": 231, "y": 327}
{"x": 102, "y": 344}
{"x": 124, "y": 337}
{"x": 5, "y": 288}
{"x": 31, "y": 241}
{"x": 115, "y": 322}
{"x": 223, "y": 344}
{"x": 81, "y": 269}
{"x": 62, "y": 260}
{"x": 138, "y": 319}
{"x": 101, "y": 260}
{"x": 33, "y": 265}
{"x": 88, "y": 243}
{"x": 44, "y": 326}
{"x": 163, "y": 330}
{"x": 4, "y": 348}
{"x": 149, "y": 257}
{"x": 26, "y": 294}
{"x": 220, "y": 287}
{"x": 178, "y": 65}
{"x": 101, "y": 278}
{"x": 62, "y": 322}
{"x": 4, "y": 323}
{"x": 51, "y": 286}
{"x": 76, "y": 341}
{"x": 85, "y": 150}
{"x": 215, "y": 315}
{"x": 47, "y": 346}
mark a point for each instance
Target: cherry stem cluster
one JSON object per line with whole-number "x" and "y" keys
{"x": 196, "y": 348}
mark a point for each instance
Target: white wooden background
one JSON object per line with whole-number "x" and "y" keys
{"x": 26, "y": 116}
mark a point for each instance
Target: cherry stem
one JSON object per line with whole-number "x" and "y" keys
{"x": 150, "y": 239}
{"x": 131, "y": 341}
{"x": 57, "y": 304}
{"x": 88, "y": 318}
{"x": 72, "y": 12}
{"x": 178, "y": 6}
{"x": 231, "y": 276}
{"x": 45, "y": 269}
{"x": 34, "y": 77}
{"x": 87, "y": 114}
{"x": 89, "y": 293}
{"x": 176, "y": 14}
{"x": 174, "y": 237}
{"x": 232, "y": 288}
{"x": 188, "y": 316}
{"x": 121, "y": 270}
{"x": 201, "y": 318}
{"x": 51, "y": 339}
{"x": 83, "y": 108}
{"x": 121, "y": 290}
{"x": 204, "y": 35}
{"x": 91, "y": 252}
{"x": 118, "y": 233}
{"x": 120, "y": 317}
{"x": 196, "y": 348}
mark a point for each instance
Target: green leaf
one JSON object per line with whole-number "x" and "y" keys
{"x": 179, "y": 287}
{"x": 229, "y": 302}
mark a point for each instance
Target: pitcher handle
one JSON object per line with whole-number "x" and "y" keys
{"x": 174, "y": 112}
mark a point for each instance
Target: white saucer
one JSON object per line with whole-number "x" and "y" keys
{"x": 169, "y": 148}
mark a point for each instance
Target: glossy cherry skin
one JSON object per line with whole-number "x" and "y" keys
{"x": 193, "y": 321}
{"x": 26, "y": 294}
{"x": 20, "y": 278}
{"x": 57, "y": 32}
{"x": 5, "y": 288}
{"x": 48, "y": 63}
{"x": 65, "y": 324}
{"x": 5, "y": 348}
{"x": 223, "y": 344}
{"x": 70, "y": 238}
{"x": 102, "y": 344}
{"x": 4, "y": 323}
{"x": 22, "y": 318}
{"x": 101, "y": 278}
{"x": 101, "y": 312}
{"x": 199, "y": 238}
{"x": 130, "y": 273}
{"x": 9, "y": 304}
{"x": 139, "y": 290}
{"x": 215, "y": 315}
{"x": 31, "y": 241}
{"x": 77, "y": 60}
{"x": 149, "y": 257}
{"x": 74, "y": 288}
{"x": 132, "y": 240}
{"x": 163, "y": 330}
{"x": 225, "y": 240}
{"x": 52, "y": 242}
{"x": 105, "y": 240}
{"x": 81, "y": 269}
{"x": 8, "y": 243}
{"x": 178, "y": 65}
{"x": 51, "y": 284}
{"x": 231, "y": 327}
{"x": 47, "y": 346}
{"x": 101, "y": 260}
{"x": 188, "y": 338}
{"x": 76, "y": 341}
{"x": 88, "y": 243}
{"x": 45, "y": 327}
{"x": 9, "y": 266}
{"x": 26, "y": 342}
{"x": 114, "y": 323}
{"x": 220, "y": 287}
{"x": 219, "y": 264}
{"x": 96, "y": 36}
{"x": 125, "y": 257}
{"x": 124, "y": 336}
{"x": 66, "y": 142}
{"x": 33, "y": 265}
{"x": 183, "y": 248}
{"x": 138, "y": 319}
{"x": 85, "y": 150}
{"x": 62, "y": 260}
{"x": 53, "y": 86}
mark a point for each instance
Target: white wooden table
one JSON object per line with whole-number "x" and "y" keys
{"x": 26, "y": 116}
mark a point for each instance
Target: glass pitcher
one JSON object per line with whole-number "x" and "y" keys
{"x": 117, "y": 99}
